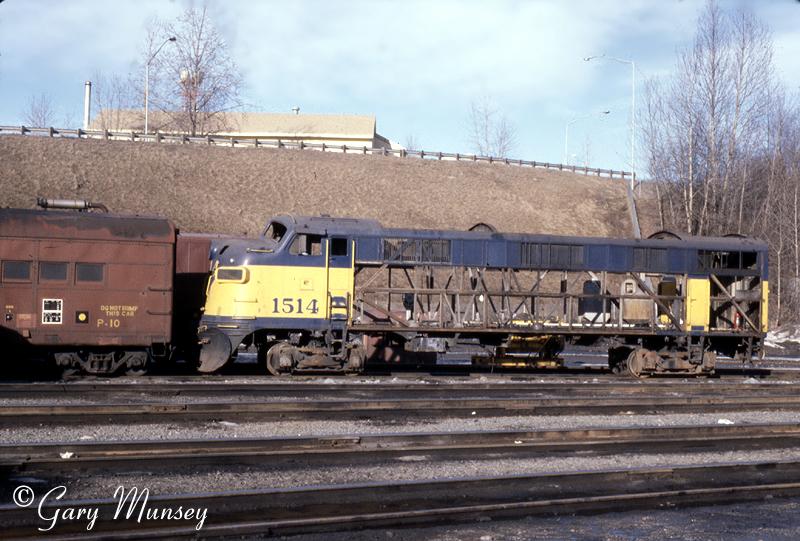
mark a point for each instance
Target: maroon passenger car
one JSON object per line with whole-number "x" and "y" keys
{"x": 96, "y": 291}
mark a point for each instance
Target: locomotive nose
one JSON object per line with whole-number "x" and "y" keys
{"x": 215, "y": 350}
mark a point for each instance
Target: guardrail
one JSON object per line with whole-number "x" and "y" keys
{"x": 230, "y": 141}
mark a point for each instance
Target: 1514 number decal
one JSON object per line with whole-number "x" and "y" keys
{"x": 289, "y": 305}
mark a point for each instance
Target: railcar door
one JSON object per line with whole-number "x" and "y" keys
{"x": 340, "y": 278}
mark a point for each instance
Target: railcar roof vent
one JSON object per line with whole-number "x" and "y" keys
{"x": 71, "y": 204}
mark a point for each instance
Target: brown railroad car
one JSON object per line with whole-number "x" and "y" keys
{"x": 96, "y": 291}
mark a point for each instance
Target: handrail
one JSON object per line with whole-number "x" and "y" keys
{"x": 232, "y": 141}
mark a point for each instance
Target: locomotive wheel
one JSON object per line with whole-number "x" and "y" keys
{"x": 70, "y": 373}
{"x": 278, "y": 352}
{"x": 635, "y": 363}
{"x": 356, "y": 358}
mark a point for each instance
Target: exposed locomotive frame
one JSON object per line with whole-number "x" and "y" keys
{"x": 668, "y": 304}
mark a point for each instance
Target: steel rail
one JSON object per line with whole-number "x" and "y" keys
{"x": 85, "y": 390}
{"x": 386, "y": 504}
{"x": 383, "y": 409}
{"x": 337, "y": 449}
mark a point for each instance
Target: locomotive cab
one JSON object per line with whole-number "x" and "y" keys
{"x": 290, "y": 289}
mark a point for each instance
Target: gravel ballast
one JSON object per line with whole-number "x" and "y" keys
{"x": 227, "y": 429}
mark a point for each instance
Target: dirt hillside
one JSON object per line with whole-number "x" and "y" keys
{"x": 234, "y": 190}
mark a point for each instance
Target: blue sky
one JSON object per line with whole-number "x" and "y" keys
{"x": 416, "y": 66}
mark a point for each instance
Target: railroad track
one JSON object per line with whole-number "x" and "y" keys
{"x": 168, "y": 455}
{"x": 347, "y": 507}
{"x": 582, "y": 387}
{"x": 386, "y": 409}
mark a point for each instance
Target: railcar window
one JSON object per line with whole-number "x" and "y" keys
{"x": 564, "y": 255}
{"x": 275, "y": 231}
{"x": 577, "y": 255}
{"x": 529, "y": 254}
{"x": 52, "y": 271}
{"x": 658, "y": 259}
{"x": 417, "y": 250}
{"x": 399, "y": 249}
{"x": 640, "y": 258}
{"x": 559, "y": 255}
{"x": 749, "y": 260}
{"x": 435, "y": 251}
{"x": 19, "y": 271}
{"x": 338, "y": 247}
{"x": 306, "y": 245}
{"x": 88, "y": 272}
{"x": 708, "y": 259}
{"x": 650, "y": 259}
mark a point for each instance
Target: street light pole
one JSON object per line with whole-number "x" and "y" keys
{"x": 633, "y": 108}
{"x": 147, "y": 82}
{"x": 566, "y": 132}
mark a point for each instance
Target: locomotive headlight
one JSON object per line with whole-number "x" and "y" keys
{"x": 237, "y": 275}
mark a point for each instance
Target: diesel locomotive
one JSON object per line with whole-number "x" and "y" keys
{"x": 331, "y": 294}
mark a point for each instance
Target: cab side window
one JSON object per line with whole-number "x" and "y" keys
{"x": 306, "y": 245}
{"x": 338, "y": 247}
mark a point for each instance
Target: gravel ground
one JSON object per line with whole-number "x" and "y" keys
{"x": 774, "y": 520}
{"x": 414, "y": 466}
{"x": 416, "y": 378}
{"x": 226, "y": 429}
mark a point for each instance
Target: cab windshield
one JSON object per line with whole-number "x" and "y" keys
{"x": 275, "y": 231}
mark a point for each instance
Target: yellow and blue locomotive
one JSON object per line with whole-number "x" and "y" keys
{"x": 322, "y": 293}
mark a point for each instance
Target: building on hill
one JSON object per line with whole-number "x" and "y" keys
{"x": 351, "y": 130}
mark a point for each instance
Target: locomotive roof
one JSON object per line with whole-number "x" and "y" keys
{"x": 70, "y": 224}
{"x": 329, "y": 224}
{"x": 373, "y": 228}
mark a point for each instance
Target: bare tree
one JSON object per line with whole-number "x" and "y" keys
{"x": 40, "y": 112}
{"x": 116, "y": 102}
{"x": 490, "y": 132}
{"x": 195, "y": 81}
{"x": 703, "y": 124}
{"x": 411, "y": 143}
{"x": 723, "y": 145}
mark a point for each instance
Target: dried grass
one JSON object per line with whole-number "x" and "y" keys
{"x": 234, "y": 190}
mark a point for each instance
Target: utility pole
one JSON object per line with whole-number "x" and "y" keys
{"x": 147, "y": 81}
{"x": 633, "y": 108}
